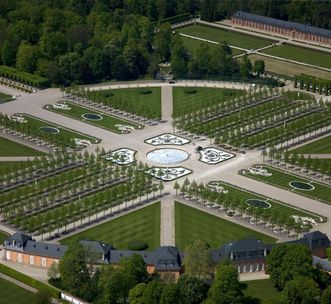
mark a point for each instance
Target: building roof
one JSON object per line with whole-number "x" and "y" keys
{"x": 117, "y": 255}
{"x": 325, "y": 264}
{"x": 45, "y": 249}
{"x": 284, "y": 24}
{"x": 97, "y": 247}
{"x": 167, "y": 258}
{"x": 17, "y": 241}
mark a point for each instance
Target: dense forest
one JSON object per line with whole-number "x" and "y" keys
{"x": 85, "y": 41}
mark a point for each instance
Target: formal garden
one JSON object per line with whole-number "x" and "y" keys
{"x": 44, "y": 133}
{"x": 245, "y": 205}
{"x": 142, "y": 103}
{"x": 139, "y": 228}
{"x": 96, "y": 118}
{"x": 79, "y": 189}
{"x": 260, "y": 118}
{"x": 192, "y": 224}
{"x": 289, "y": 181}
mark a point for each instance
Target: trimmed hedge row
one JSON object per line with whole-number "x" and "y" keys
{"x": 29, "y": 281}
{"x": 27, "y": 78}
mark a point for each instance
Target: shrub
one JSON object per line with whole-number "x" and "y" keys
{"x": 30, "y": 281}
{"x": 137, "y": 245}
{"x": 190, "y": 91}
{"x": 145, "y": 91}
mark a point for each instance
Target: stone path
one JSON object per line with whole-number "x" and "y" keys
{"x": 18, "y": 283}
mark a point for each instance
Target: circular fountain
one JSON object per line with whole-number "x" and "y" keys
{"x": 92, "y": 116}
{"x": 167, "y": 156}
{"x": 49, "y": 130}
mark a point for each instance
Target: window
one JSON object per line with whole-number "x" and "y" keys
{"x": 19, "y": 257}
{"x": 8, "y": 255}
{"x": 32, "y": 259}
{"x": 43, "y": 262}
{"x": 249, "y": 255}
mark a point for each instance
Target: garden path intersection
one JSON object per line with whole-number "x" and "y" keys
{"x": 226, "y": 171}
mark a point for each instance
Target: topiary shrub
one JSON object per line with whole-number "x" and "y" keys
{"x": 145, "y": 91}
{"x": 137, "y": 245}
{"x": 108, "y": 94}
{"x": 190, "y": 91}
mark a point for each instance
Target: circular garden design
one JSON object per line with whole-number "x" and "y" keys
{"x": 92, "y": 116}
{"x": 257, "y": 203}
{"x": 49, "y": 130}
{"x": 301, "y": 186}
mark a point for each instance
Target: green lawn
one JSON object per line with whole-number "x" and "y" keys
{"x": 11, "y": 148}
{"x": 141, "y": 101}
{"x": 301, "y": 54}
{"x": 64, "y": 133}
{"x": 282, "y": 179}
{"x": 11, "y": 293}
{"x": 4, "y": 97}
{"x": 141, "y": 225}
{"x": 321, "y": 146}
{"x": 3, "y": 236}
{"x": 107, "y": 122}
{"x": 260, "y": 291}
{"x": 220, "y": 35}
{"x": 192, "y": 224}
{"x": 279, "y": 208}
{"x": 193, "y": 44}
{"x": 184, "y": 103}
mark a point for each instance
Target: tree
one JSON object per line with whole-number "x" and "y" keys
{"x": 326, "y": 296}
{"x": 259, "y": 67}
{"x": 191, "y": 290}
{"x": 43, "y": 298}
{"x": 170, "y": 294}
{"x": 162, "y": 41}
{"x": 300, "y": 290}
{"x": 176, "y": 187}
{"x": 136, "y": 294}
{"x": 74, "y": 272}
{"x": 245, "y": 67}
{"x": 27, "y": 56}
{"x": 287, "y": 261}
{"x": 198, "y": 260}
{"x": 153, "y": 291}
{"x": 225, "y": 288}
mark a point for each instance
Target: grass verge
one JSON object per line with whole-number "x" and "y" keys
{"x": 321, "y": 146}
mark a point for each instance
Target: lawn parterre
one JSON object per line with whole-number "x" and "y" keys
{"x": 145, "y": 102}
{"x": 192, "y": 45}
{"x": 191, "y": 99}
{"x": 192, "y": 224}
{"x": 321, "y": 146}
{"x": 141, "y": 225}
{"x": 104, "y": 121}
{"x": 11, "y": 293}
{"x": 11, "y": 148}
{"x": 283, "y": 179}
{"x": 301, "y": 54}
{"x": 220, "y": 35}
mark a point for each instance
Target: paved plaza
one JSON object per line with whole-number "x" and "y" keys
{"x": 226, "y": 171}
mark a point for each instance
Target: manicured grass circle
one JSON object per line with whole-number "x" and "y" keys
{"x": 301, "y": 186}
{"x": 257, "y": 203}
{"x": 49, "y": 130}
{"x": 92, "y": 116}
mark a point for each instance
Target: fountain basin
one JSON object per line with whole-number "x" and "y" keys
{"x": 167, "y": 156}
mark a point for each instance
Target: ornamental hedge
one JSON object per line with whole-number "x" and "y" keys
{"x": 27, "y": 78}
{"x": 30, "y": 281}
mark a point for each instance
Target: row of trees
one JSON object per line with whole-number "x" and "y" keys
{"x": 232, "y": 203}
{"x": 316, "y": 165}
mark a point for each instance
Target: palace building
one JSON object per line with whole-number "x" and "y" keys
{"x": 293, "y": 30}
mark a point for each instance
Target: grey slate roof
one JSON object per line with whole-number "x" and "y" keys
{"x": 167, "y": 258}
{"x": 117, "y": 255}
{"x": 313, "y": 240}
{"x": 45, "y": 249}
{"x": 17, "y": 241}
{"x": 250, "y": 248}
{"x": 284, "y": 24}
{"x": 325, "y": 264}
